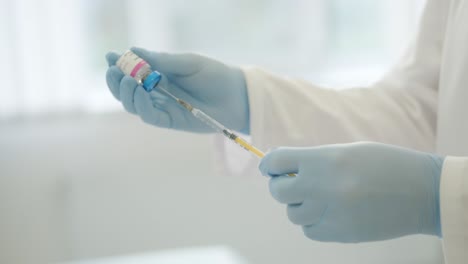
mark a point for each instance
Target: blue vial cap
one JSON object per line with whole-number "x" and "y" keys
{"x": 151, "y": 81}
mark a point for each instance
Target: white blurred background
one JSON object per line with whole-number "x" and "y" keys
{"x": 81, "y": 179}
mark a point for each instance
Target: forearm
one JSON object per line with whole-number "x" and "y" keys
{"x": 400, "y": 109}
{"x": 453, "y": 207}
{"x": 297, "y": 113}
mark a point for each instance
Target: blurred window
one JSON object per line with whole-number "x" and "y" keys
{"x": 53, "y": 59}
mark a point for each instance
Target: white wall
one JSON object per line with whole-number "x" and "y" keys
{"x": 90, "y": 186}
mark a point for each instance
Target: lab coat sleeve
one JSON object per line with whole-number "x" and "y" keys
{"x": 454, "y": 209}
{"x": 400, "y": 109}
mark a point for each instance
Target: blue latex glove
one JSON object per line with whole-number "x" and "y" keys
{"x": 357, "y": 192}
{"x": 212, "y": 86}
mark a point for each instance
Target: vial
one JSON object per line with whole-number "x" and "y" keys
{"x": 134, "y": 66}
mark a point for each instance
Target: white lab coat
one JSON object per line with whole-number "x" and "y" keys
{"x": 421, "y": 104}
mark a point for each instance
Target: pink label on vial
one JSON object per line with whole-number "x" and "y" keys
{"x": 137, "y": 68}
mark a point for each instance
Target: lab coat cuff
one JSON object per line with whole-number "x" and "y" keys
{"x": 453, "y": 205}
{"x": 255, "y": 82}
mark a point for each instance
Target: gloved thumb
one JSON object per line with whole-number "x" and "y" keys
{"x": 167, "y": 63}
{"x": 280, "y": 161}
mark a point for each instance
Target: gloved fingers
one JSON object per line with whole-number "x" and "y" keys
{"x": 163, "y": 101}
{"x": 148, "y": 110}
{"x": 280, "y": 161}
{"x": 170, "y": 64}
{"x": 307, "y": 213}
{"x": 340, "y": 227}
{"x": 158, "y": 99}
{"x": 113, "y": 77}
{"x": 127, "y": 93}
{"x": 320, "y": 232}
{"x": 112, "y": 57}
{"x": 180, "y": 117}
{"x": 285, "y": 190}
{"x": 326, "y": 231}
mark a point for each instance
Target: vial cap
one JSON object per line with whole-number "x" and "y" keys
{"x": 151, "y": 81}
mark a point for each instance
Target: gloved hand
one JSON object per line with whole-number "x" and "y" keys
{"x": 212, "y": 86}
{"x": 357, "y": 192}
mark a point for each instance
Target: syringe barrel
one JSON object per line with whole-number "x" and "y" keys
{"x": 208, "y": 120}
{"x": 134, "y": 66}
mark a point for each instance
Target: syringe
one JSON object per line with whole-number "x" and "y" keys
{"x": 136, "y": 67}
{"x": 202, "y": 116}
